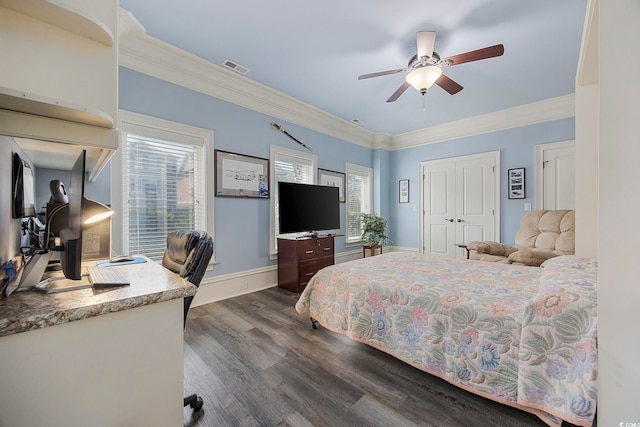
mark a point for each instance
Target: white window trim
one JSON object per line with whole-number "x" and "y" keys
{"x": 275, "y": 150}
{"x": 153, "y": 126}
{"x": 351, "y": 168}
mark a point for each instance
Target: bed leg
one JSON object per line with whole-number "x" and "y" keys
{"x": 314, "y": 323}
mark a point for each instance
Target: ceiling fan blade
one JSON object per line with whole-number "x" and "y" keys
{"x": 425, "y": 42}
{"x": 398, "y": 92}
{"x": 476, "y": 55}
{"x": 381, "y": 73}
{"x": 448, "y": 84}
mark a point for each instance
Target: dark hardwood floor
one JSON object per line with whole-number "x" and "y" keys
{"x": 256, "y": 362}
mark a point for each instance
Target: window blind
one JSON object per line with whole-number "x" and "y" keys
{"x": 288, "y": 166}
{"x": 358, "y": 200}
{"x": 164, "y": 183}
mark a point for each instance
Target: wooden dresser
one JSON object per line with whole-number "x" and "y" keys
{"x": 300, "y": 259}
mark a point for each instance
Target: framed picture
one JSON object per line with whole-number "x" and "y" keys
{"x": 403, "y": 191}
{"x": 332, "y": 179}
{"x": 238, "y": 175}
{"x": 516, "y": 183}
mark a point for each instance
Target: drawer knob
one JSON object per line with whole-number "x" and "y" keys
{"x": 309, "y": 252}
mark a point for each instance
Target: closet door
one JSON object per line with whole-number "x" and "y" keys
{"x": 439, "y": 227}
{"x": 475, "y": 200}
{"x": 460, "y": 202}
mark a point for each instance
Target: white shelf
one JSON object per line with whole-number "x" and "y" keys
{"x": 63, "y": 17}
{"x": 23, "y": 102}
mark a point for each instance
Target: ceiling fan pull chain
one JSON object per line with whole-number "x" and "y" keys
{"x": 424, "y": 103}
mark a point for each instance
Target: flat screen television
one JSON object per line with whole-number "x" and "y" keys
{"x": 71, "y": 235}
{"x": 308, "y": 208}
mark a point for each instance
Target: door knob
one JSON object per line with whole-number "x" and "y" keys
{"x": 449, "y": 219}
{"x": 460, "y": 220}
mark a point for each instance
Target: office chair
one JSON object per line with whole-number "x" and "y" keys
{"x": 188, "y": 253}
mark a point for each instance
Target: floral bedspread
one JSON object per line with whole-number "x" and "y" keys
{"x": 522, "y": 336}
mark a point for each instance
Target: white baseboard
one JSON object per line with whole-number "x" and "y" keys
{"x": 402, "y": 249}
{"x": 217, "y": 288}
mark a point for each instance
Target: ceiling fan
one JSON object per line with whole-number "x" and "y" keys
{"x": 425, "y": 68}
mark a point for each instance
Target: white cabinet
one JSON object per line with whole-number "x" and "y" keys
{"x": 59, "y": 74}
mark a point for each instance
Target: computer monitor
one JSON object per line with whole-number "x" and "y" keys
{"x": 71, "y": 235}
{"x": 22, "y": 184}
{"x": 71, "y": 222}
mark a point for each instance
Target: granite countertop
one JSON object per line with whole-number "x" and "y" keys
{"x": 27, "y": 310}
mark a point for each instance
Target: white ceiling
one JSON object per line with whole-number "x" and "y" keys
{"x": 314, "y": 51}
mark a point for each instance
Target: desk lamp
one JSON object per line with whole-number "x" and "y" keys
{"x": 92, "y": 213}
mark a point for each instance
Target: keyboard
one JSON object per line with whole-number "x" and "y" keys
{"x": 106, "y": 276}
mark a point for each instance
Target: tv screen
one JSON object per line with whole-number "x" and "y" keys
{"x": 306, "y": 207}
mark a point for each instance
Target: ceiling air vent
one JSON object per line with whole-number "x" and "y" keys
{"x": 235, "y": 67}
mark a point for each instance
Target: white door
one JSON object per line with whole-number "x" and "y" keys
{"x": 475, "y": 200}
{"x": 439, "y": 205}
{"x": 459, "y": 202}
{"x": 556, "y": 169}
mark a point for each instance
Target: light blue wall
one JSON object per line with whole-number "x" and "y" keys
{"x": 241, "y": 225}
{"x": 517, "y": 149}
{"x": 381, "y": 182}
{"x": 99, "y": 190}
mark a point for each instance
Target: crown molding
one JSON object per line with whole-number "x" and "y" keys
{"x": 143, "y": 53}
{"x": 538, "y": 112}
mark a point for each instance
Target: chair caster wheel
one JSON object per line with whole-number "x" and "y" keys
{"x": 194, "y": 401}
{"x": 197, "y": 405}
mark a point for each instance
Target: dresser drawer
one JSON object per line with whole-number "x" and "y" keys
{"x": 300, "y": 259}
{"x": 310, "y": 267}
{"x": 314, "y": 248}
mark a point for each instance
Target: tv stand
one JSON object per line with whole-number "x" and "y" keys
{"x": 299, "y": 259}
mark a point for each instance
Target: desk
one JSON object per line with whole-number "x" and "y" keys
{"x": 371, "y": 249}
{"x": 111, "y": 356}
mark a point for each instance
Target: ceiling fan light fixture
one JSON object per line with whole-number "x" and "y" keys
{"x": 424, "y": 77}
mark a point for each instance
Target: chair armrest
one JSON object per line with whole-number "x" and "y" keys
{"x": 491, "y": 248}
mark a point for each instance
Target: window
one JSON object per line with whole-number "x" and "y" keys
{"x": 358, "y": 199}
{"x": 161, "y": 177}
{"x": 288, "y": 166}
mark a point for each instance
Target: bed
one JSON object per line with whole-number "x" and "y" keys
{"x": 521, "y": 336}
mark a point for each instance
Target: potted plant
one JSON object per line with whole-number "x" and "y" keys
{"x": 374, "y": 230}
